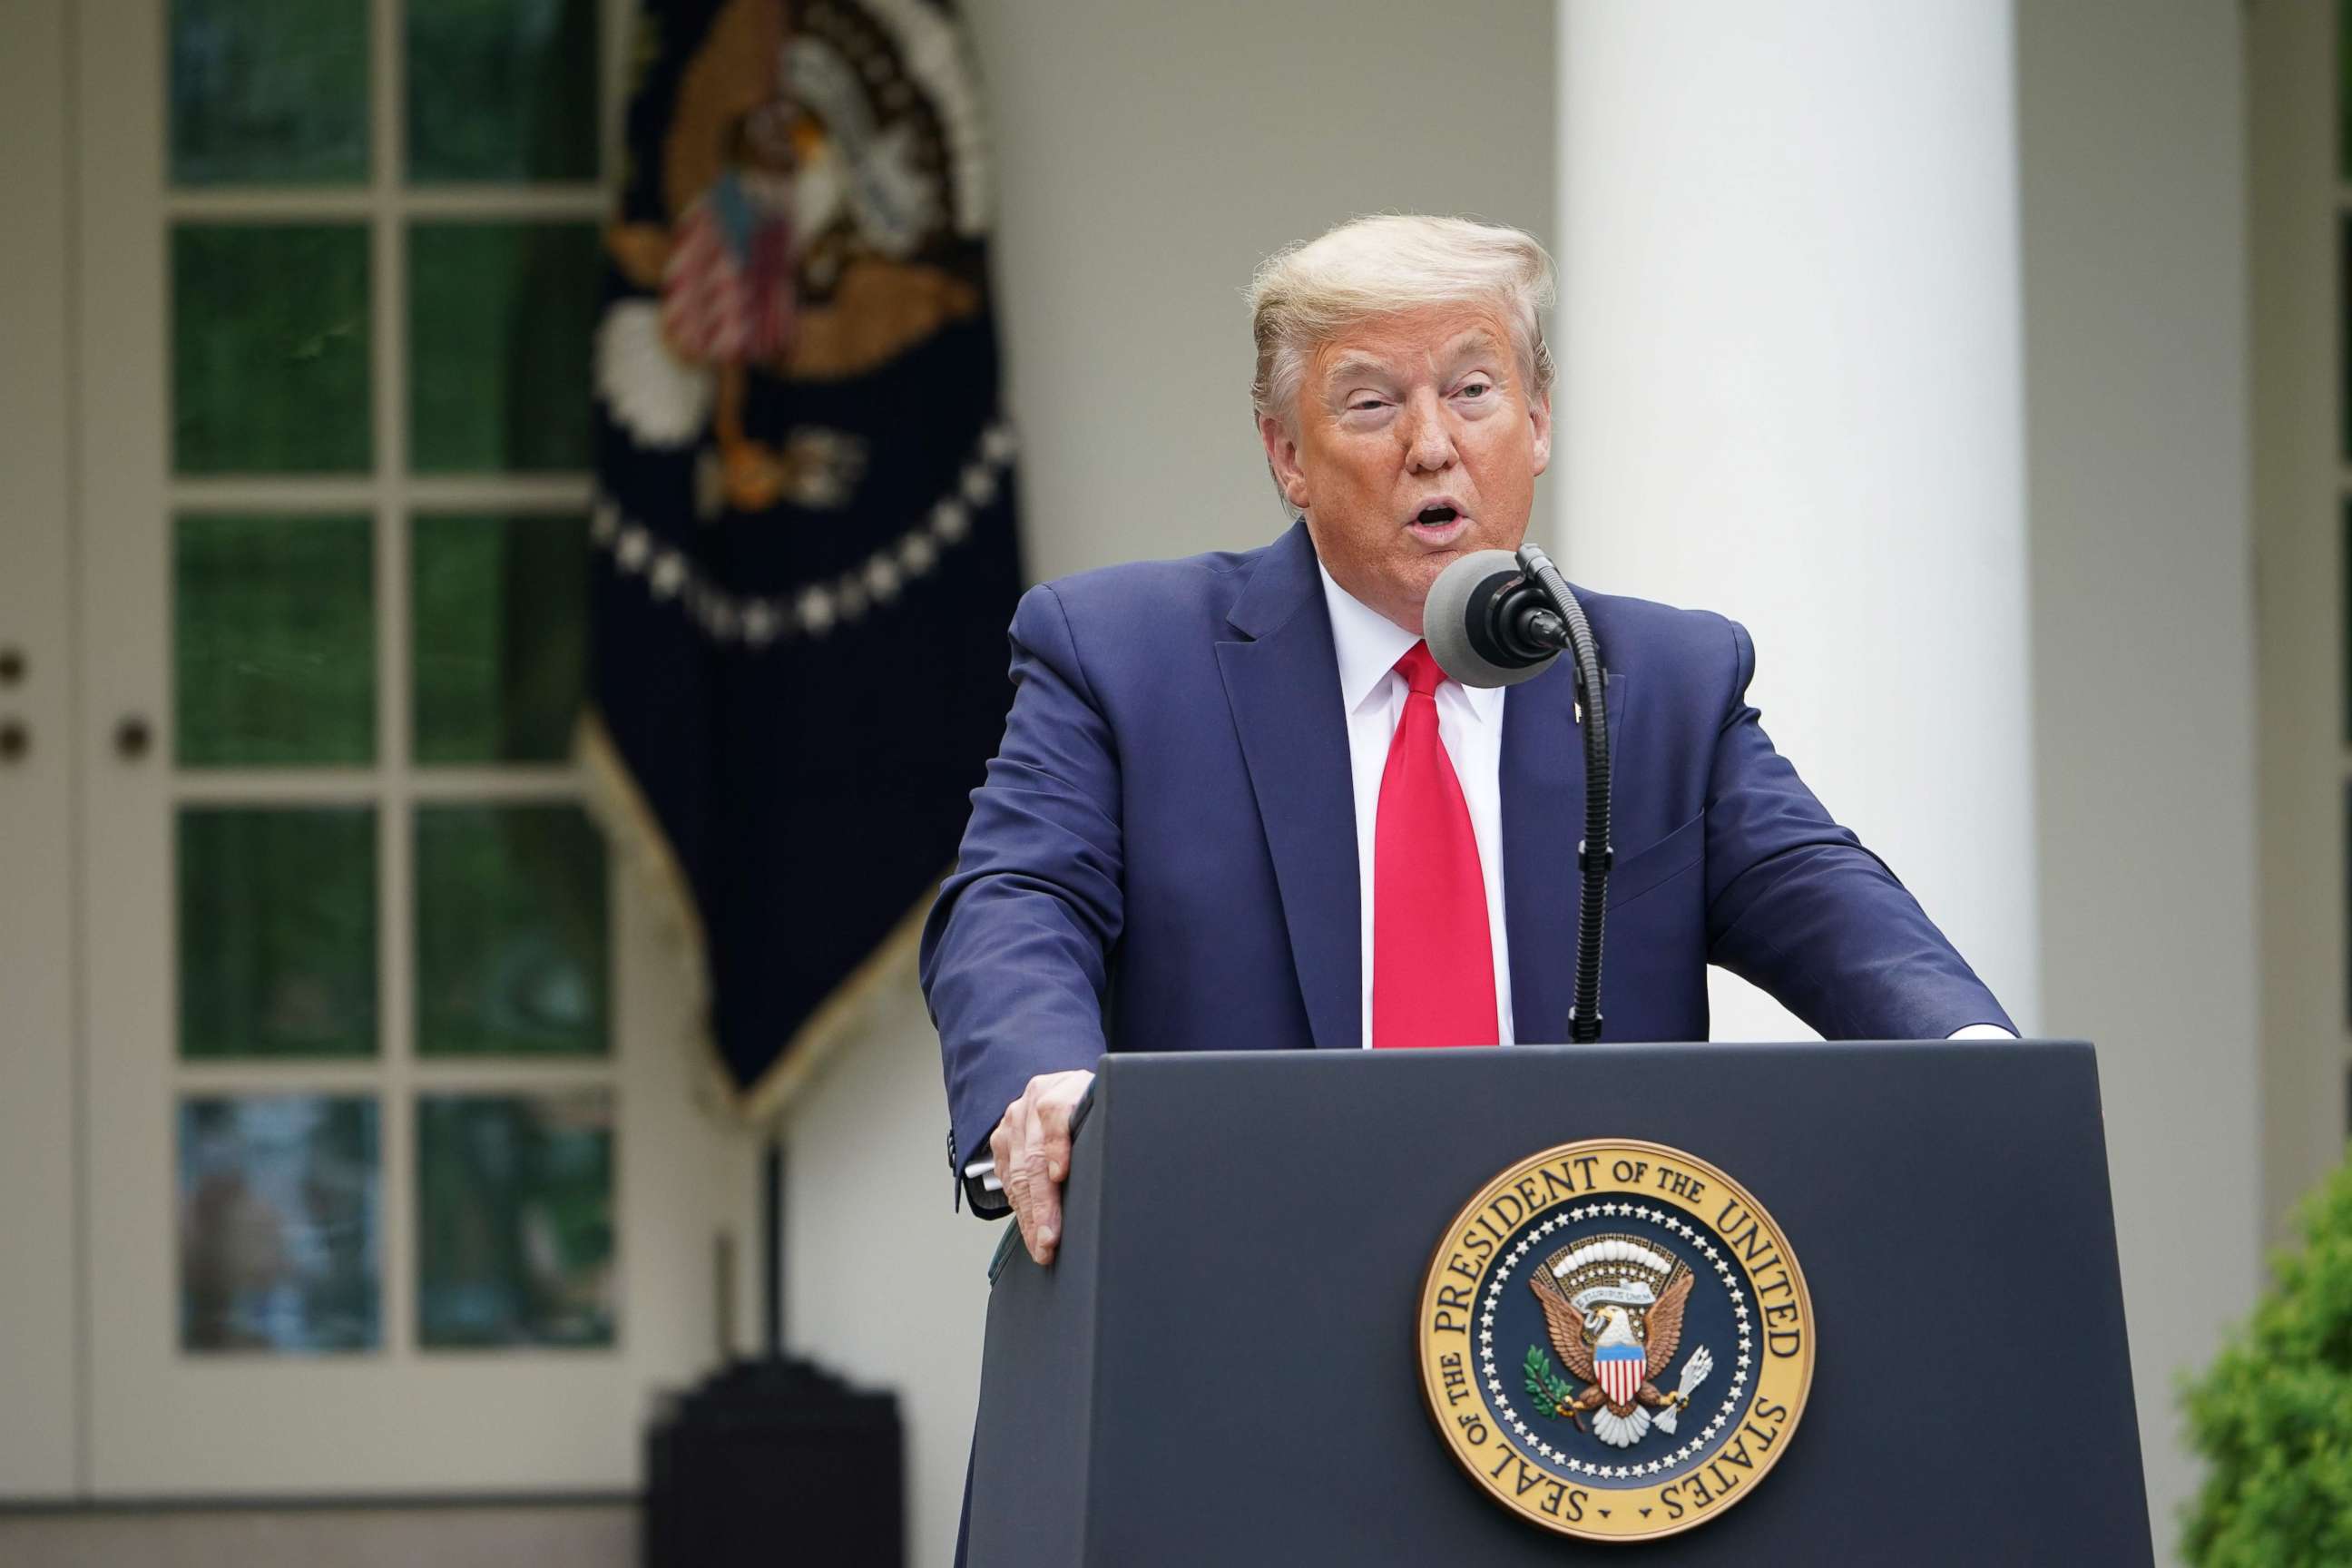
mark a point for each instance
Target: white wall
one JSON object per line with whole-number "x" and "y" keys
{"x": 1152, "y": 155}
{"x": 2132, "y": 136}
{"x": 2291, "y": 83}
{"x": 1148, "y": 157}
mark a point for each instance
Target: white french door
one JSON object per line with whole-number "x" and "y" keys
{"x": 395, "y": 1179}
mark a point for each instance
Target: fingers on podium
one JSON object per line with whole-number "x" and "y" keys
{"x": 1020, "y": 1166}
{"x": 1031, "y": 1145}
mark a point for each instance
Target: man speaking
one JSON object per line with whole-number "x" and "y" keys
{"x": 1238, "y": 806}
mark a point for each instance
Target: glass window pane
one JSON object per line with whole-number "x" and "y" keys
{"x": 273, "y": 640}
{"x": 515, "y": 1219}
{"x": 510, "y": 932}
{"x": 500, "y": 319}
{"x": 502, "y": 90}
{"x": 279, "y": 1244}
{"x": 500, "y": 635}
{"x": 270, "y": 92}
{"x": 278, "y": 948}
{"x": 269, "y": 348}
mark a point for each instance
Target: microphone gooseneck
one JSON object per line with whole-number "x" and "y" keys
{"x": 1496, "y": 619}
{"x": 1594, "y": 853}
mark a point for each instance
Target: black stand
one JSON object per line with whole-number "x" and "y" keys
{"x": 773, "y": 1460}
{"x": 1220, "y": 1365}
{"x": 1596, "y": 856}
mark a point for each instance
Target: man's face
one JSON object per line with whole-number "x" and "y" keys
{"x": 1415, "y": 443}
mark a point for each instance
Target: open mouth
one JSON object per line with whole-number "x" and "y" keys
{"x": 1439, "y": 524}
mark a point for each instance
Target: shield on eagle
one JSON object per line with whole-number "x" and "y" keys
{"x": 1619, "y": 1367}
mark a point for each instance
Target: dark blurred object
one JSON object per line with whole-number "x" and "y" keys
{"x": 773, "y": 1462}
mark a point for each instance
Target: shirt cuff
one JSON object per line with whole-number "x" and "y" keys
{"x": 1973, "y": 1032}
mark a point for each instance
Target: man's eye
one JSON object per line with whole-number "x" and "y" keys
{"x": 1476, "y": 389}
{"x": 1365, "y": 402}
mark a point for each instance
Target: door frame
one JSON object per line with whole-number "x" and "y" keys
{"x": 42, "y": 1353}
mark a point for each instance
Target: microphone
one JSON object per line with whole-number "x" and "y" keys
{"x": 1488, "y": 623}
{"x": 1492, "y": 618}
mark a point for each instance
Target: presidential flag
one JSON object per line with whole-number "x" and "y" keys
{"x": 804, "y": 546}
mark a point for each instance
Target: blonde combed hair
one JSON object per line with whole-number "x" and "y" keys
{"x": 1308, "y": 294}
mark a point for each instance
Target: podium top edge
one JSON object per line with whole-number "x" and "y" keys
{"x": 1974, "y": 1046}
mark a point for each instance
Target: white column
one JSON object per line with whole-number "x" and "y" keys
{"x": 1791, "y": 391}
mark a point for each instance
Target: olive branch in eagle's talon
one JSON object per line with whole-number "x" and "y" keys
{"x": 1554, "y": 1393}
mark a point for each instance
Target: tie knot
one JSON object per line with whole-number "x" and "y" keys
{"x": 1419, "y": 668}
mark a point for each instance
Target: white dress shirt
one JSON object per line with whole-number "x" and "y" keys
{"x": 1470, "y": 727}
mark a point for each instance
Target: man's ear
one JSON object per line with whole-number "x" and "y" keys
{"x": 1282, "y": 456}
{"x": 1539, "y": 416}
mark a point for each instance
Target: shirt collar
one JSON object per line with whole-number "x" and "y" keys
{"x": 1369, "y": 644}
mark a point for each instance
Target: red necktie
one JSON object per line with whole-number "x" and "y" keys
{"x": 1432, "y": 965}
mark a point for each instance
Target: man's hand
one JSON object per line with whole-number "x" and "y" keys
{"x": 1032, "y": 1146}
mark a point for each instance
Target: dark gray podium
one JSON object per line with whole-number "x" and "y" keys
{"x": 1220, "y": 1367}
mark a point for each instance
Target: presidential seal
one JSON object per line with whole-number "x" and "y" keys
{"x": 1615, "y": 1340}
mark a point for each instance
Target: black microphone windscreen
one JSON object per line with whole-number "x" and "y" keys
{"x": 1459, "y": 601}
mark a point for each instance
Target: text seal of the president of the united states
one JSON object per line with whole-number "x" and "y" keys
{"x": 1615, "y": 1340}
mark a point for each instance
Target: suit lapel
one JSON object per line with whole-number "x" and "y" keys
{"x": 1284, "y": 687}
{"x": 1542, "y": 779}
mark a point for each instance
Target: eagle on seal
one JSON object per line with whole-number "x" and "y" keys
{"x": 1610, "y": 1346}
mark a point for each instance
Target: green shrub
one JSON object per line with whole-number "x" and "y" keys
{"x": 2272, "y": 1417}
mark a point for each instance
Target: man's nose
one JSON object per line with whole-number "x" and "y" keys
{"x": 1429, "y": 445}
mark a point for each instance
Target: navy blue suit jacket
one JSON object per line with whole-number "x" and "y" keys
{"x": 1163, "y": 857}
